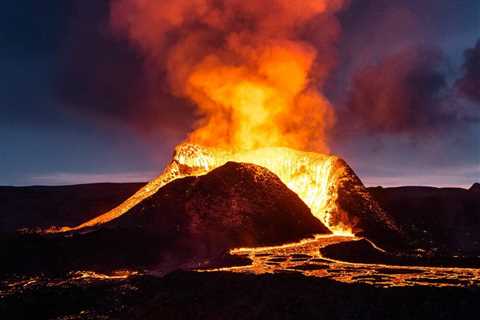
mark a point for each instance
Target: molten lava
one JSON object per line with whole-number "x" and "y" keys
{"x": 312, "y": 176}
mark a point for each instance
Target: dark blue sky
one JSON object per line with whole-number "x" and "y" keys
{"x": 55, "y": 129}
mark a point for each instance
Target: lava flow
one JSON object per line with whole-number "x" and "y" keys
{"x": 305, "y": 257}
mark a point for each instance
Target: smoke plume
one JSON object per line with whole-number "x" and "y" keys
{"x": 245, "y": 74}
{"x": 250, "y": 68}
{"x": 405, "y": 92}
{"x": 469, "y": 84}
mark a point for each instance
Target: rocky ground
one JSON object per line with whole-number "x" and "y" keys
{"x": 41, "y": 206}
{"x": 40, "y": 275}
{"x": 446, "y": 220}
{"x": 220, "y": 295}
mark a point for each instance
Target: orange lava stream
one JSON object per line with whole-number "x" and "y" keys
{"x": 304, "y": 257}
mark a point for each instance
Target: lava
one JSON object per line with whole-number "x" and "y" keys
{"x": 305, "y": 257}
{"x": 312, "y": 176}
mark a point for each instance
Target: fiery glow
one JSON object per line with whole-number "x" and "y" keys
{"x": 306, "y": 257}
{"x": 267, "y": 105}
{"x": 312, "y": 176}
{"x": 256, "y": 80}
{"x": 251, "y": 68}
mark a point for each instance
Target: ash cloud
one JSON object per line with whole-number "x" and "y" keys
{"x": 469, "y": 84}
{"x": 404, "y": 92}
{"x": 104, "y": 79}
{"x": 398, "y": 70}
{"x": 128, "y": 61}
{"x": 252, "y": 73}
{"x": 399, "y": 109}
{"x": 406, "y": 110}
{"x": 411, "y": 92}
{"x": 388, "y": 78}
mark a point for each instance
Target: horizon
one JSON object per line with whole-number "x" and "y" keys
{"x": 73, "y": 179}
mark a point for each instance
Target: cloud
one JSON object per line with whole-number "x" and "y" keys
{"x": 102, "y": 78}
{"x": 469, "y": 84}
{"x": 404, "y": 92}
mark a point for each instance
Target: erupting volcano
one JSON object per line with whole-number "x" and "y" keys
{"x": 256, "y": 79}
{"x": 255, "y": 214}
{"x": 326, "y": 184}
{"x": 314, "y": 177}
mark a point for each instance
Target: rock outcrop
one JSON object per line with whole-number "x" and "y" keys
{"x": 367, "y": 218}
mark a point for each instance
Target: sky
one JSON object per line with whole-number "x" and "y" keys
{"x": 405, "y": 88}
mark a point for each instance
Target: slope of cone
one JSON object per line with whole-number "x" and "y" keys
{"x": 325, "y": 183}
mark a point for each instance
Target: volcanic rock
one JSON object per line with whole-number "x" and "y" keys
{"x": 367, "y": 218}
{"x": 236, "y": 205}
{"x": 187, "y": 223}
{"x": 327, "y": 185}
{"x": 363, "y": 251}
{"x": 345, "y": 205}
{"x": 440, "y": 219}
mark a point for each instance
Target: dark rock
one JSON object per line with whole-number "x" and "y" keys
{"x": 367, "y": 218}
{"x": 439, "y": 219}
{"x": 475, "y": 187}
{"x": 310, "y": 267}
{"x": 234, "y": 205}
{"x": 40, "y": 206}
{"x": 193, "y": 295}
{"x": 362, "y": 251}
{"x": 300, "y": 256}
{"x": 188, "y": 223}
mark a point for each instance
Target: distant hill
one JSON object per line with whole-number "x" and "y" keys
{"x": 447, "y": 218}
{"x": 39, "y": 206}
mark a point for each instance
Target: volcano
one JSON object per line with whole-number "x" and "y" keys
{"x": 190, "y": 221}
{"x": 209, "y": 201}
{"x": 326, "y": 184}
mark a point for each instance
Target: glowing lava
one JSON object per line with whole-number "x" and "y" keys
{"x": 312, "y": 176}
{"x": 306, "y": 257}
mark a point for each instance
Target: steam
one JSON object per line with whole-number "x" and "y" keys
{"x": 254, "y": 76}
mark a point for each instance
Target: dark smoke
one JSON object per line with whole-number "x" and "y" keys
{"x": 395, "y": 77}
{"x": 104, "y": 78}
{"x": 469, "y": 84}
{"x": 404, "y": 92}
{"x": 386, "y": 82}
